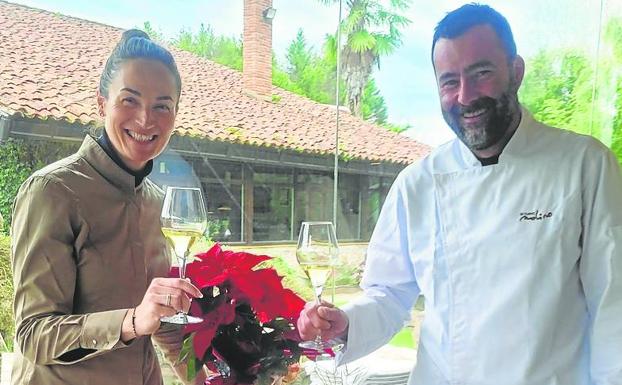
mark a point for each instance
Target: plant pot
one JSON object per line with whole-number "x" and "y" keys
{"x": 5, "y": 368}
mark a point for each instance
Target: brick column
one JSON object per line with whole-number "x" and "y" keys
{"x": 257, "y": 66}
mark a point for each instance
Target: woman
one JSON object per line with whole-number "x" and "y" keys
{"x": 87, "y": 245}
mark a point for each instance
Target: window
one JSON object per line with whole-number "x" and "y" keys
{"x": 224, "y": 211}
{"x": 273, "y": 191}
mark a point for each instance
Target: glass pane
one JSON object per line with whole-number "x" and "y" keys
{"x": 349, "y": 207}
{"x": 224, "y": 212}
{"x": 217, "y": 169}
{"x": 608, "y": 96}
{"x": 374, "y": 191}
{"x": 272, "y": 205}
{"x": 172, "y": 169}
{"x": 314, "y": 197}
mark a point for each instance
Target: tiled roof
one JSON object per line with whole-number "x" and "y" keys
{"x": 50, "y": 66}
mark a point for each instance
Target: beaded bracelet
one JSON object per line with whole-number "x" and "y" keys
{"x": 134, "y": 322}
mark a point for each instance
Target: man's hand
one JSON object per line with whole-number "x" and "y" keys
{"x": 325, "y": 320}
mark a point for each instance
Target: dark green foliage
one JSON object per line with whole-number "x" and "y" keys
{"x": 256, "y": 344}
{"x": 7, "y": 325}
{"x": 249, "y": 351}
{"x": 19, "y": 159}
{"x": 17, "y": 165}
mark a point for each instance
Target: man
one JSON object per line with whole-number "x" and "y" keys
{"x": 512, "y": 233}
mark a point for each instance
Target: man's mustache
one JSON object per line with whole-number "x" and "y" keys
{"x": 483, "y": 102}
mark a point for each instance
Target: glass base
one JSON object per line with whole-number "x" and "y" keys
{"x": 181, "y": 319}
{"x": 329, "y": 346}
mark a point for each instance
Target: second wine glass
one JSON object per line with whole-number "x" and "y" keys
{"x": 184, "y": 220}
{"x": 318, "y": 255}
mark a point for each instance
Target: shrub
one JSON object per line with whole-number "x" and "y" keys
{"x": 347, "y": 275}
{"x": 19, "y": 159}
{"x": 15, "y": 169}
{"x": 7, "y": 323}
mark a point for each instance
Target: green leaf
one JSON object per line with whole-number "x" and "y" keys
{"x": 361, "y": 41}
{"x": 186, "y": 349}
{"x": 186, "y": 355}
{"x": 401, "y": 5}
{"x": 384, "y": 45}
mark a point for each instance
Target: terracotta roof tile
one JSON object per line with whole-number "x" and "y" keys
{"x": 50, "y": 66}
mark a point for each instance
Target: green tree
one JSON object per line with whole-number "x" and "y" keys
{"x": 567, "y": 89}
{"x": 314, "y": 75}
{"x": 151, "y": 31}
{"x": 221, "y": 49}
{"x": 397, "y": 128}
{"x": 305, "y": 71}
{"x": 373, "y": 106}
{"x": 613, "y": 78}
{"x": 299, "y": 55}
{"x": 371, "y": 30}
{"x": 557, "y": 88}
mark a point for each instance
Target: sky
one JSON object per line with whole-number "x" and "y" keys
{"x": 405, "y": 78}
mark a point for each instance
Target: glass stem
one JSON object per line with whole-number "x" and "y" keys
{"x": 182, "y": 275}
{"x": 318, "y": 340}
{"x": 318, "y": 301}
{"x": 318, "y": 295}
{"x": 332, "y": 293}
{"x": 182, "y": 268}
{"x": 182, "y": 265}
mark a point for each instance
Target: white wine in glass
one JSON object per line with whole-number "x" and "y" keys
{"x": 318, "y": 254}
{"x": 184, "y": 220}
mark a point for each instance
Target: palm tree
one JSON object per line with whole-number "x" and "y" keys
{"x": 371, "y": 30}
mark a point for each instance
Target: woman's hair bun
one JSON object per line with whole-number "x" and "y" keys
{"x": 136, "y": 44}
{"x": 132, "y": 33}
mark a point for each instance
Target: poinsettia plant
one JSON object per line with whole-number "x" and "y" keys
{"x": 248, "y": 334}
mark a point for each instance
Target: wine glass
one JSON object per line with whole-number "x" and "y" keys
{"x": 184, "y": 220}
{"x": 318, "y": 254}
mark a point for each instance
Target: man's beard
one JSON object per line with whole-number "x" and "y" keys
{"x": 494, "y": 125}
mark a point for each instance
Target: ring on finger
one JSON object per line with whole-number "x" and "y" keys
{"x": 168, "y": 299}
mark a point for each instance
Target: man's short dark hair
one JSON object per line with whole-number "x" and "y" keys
{"x": 460, "y": 20}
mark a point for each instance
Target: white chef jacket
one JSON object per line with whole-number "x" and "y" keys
{"x": 520, "y": 264}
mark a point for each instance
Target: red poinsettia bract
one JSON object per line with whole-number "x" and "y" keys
{"x": 232, "y": 285}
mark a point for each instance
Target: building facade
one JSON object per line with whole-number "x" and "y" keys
{"x": 263, "y": 156}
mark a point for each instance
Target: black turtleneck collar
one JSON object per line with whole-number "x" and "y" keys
{"x": 139, "y": 175}
{"x": 488, "y": 161}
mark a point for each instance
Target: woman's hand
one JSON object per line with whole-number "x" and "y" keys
{"x": 164, "y": 297}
